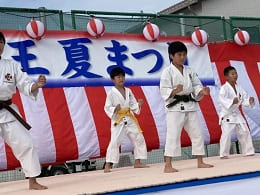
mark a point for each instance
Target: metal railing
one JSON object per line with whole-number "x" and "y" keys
{"x": 218, "y": 28}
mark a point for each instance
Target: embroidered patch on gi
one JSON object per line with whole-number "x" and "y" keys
{"x": 8, "y": 78}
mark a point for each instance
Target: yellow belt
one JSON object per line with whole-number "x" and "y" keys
{"x": 126, "y": 112}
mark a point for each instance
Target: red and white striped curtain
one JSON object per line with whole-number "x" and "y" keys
{"x": 70, "y": 123}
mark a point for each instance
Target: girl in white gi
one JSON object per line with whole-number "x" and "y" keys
{"x": 119, "y": 107}
{"x": 181, "y": 89}
{"x": 14, "y": 132}
{"x": 231, "y": 96}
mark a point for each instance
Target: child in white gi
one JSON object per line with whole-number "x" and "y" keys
{"x": 13, "y": 129}
{"x": 231, "y": 96}
{"x": 181, "y": 89}
{"x": 119, "y": 107}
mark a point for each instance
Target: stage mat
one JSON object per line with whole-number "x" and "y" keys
{"x": 98, "y": 182}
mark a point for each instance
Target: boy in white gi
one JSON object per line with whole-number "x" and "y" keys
{"x": 231, "y": 96}
{"x": 181, "y": 89}
{"x": 13, "y": 129}
{"x": 119, "y": 107}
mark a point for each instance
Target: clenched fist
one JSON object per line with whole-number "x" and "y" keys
{"x": 39, "y": 83}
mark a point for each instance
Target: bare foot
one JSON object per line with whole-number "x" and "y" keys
{"x": 224, "y": 157}
{"x": 37, "y": 186}
{"x": 34, "y": 185}
{"x": 169, "y": 169}
{"x": 107, "y": 168}
{"x": 140, "y": 165}
{"x": 204, "y": 165}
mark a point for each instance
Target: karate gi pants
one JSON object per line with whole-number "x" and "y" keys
{"x": 243, "y": 136}
{"x": 20, "y": 141}
{"x": 175, "y": 123}
{"x": 117, "y": 135}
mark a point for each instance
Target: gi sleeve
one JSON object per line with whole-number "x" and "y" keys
{"x": 197, "y": 86}
{"x": 23, "y": 82}
{"x": 166, "y": 85}
{"x": 109, "y": 107}
{"x": 133, "y": 104}
{"x": 243, "y": 95}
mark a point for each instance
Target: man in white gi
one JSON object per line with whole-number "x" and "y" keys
{"x": 13, "y": 129}
{"x": 119, "y": 107}
{"x": 181, "y": 89}
{"x": 231, "y": 96}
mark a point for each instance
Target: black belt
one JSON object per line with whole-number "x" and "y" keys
{"x": 180, "y": 98}
{"x": 6, "y": 104}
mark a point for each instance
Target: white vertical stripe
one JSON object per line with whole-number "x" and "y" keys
{"x": 214, "y": 90}
{"x": 126, "y": 145}
{"x": 3, "y": 161}
{"x": 156, "y": 104}
{"x": 252, "y": 115}
{"x": 37, "y": 116}
{"x": 83, "y": 122}
{"x": 258, "y": 64}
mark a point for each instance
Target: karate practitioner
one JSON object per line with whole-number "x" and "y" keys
{"x": 119, "y": 107}
{"x": 13, "y": 129}
{"x": 231, "y": 96}
{"x": 181, "y": 89}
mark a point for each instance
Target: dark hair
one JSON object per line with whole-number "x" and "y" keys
{"x": 228, "y": 69}
{"x": 175, "y": 47}
{"x": 2, "y": 37}
{"x": 116, "y": 71}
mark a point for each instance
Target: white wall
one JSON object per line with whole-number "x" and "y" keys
{"x": 247, "y": 8}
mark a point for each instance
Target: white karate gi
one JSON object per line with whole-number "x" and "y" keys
{"x": 183, "y": 114}
{"x": 118, "y": 132}
{"x": 11, "y": 130}
{"x": 231, "y": 120}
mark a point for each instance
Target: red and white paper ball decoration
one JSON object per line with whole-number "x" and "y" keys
{"x": 242, "y": 37}
{"x": 96, "y": 27}
{"x": 35, "y": 29}
{"x": 151, "y": 31}
{"x": 199, "y": 37}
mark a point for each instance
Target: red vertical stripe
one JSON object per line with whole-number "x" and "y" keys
{"x": 97, "y": 97}
{"x": 93, "y": 25}
{"x": 211, "y": 117}
{"x": 146, "y": 121}
{"x": 241, "y": 36}
{"x": 18, "y": 102}
{"x": 62, "y": 127}
{"x": 185, "y": 139}
{"x": 150, "y": 30}
{"x": 220, "y": 68}
{"x": 34, "y": 27}
{"x": 199, "y": 36}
